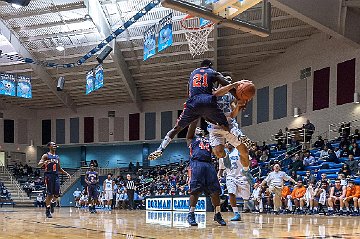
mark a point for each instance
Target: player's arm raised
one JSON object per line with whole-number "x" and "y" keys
{"x": 191, "y": 132}
{"x": 222, "y": 81}
{"x": 43, "y": 160}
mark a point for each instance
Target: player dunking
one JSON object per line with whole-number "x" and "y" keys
{"x": 51, "y": 162}
{"x": 201, "y": 103}
{"x": 235, "y": 137}
{"x": 203, "y": 177}
{"x": 108, "y": 187}
{"x": 92, "y": 180}
{"x": 236, "y": 182}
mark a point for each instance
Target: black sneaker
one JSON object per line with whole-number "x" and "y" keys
{"x": 341, "y": 213}
{"x": 218, "y": 218}
{"x": 48, "y": 214}
{"x": 93, "y": 209}
{"x": 191, "y": 219}
{"x": 52, "y": 207}
{"x": 330, "y": 213}
{"x": 90, "y": 209}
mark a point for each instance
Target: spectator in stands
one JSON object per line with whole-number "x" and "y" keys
{"x": 324, "y": 153}
{"x": 264, "y": 147}
{"x": 352, "y": 164}
{"x": 285, "y": 163}
{"x": 332, "y": 157}
{"x": 309, "y": 130}
{"x": 337, "y": 194}
{"x": 309, "y": 160}
{"x": 296, "y": 165}
{"x": 77, "y": 195}
{"x": 320, "y": 195}
{"x": 40, "y": 200}
{"x": 322, "y": 180}
{"x": 319, "y": 143}
{"x": 337, "y": 152}
{"x": 345, "y": 170}
{"x": 344, "y": 143}
{"x": 344, "y": 152}
{"x": 279, "y": 137}
{"x": 308, "y": 178}
{"x": 356, "y": 135}
{"x": 355, "y": 150}
{"x": 264, "y": 157}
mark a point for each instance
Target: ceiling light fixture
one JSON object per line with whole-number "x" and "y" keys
{"x": 60, "y": 48}
{"x": 17, "y": 3}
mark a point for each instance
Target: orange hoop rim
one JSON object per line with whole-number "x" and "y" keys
{"x": 210, "y": 24}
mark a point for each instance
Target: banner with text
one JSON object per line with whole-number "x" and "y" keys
{"x": 165, "y": 33}
{"x": 149, "y": 43}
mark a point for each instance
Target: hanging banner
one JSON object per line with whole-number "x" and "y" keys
{"x": 99, "y": 77}
{"x": 7, "y": 84}
{"x": 165, "y": 33}
{"x": 90, "y": 82}
{"x": 24, "y": 87}
{"x": 149, "y": 43}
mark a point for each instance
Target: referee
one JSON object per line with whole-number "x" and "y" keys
{"x": 130, "y": 189}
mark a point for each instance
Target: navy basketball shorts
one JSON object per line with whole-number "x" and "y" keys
{"x": 52, "y": 182}
{"x": 203, "y": 178}
{"x": 92, "y": 192}
{"x": 201, "y": 106}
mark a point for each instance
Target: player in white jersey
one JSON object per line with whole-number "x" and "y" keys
{"x": 108, "y": 189}
{"x": 275, "y": 181}
{"x": 235, "y": 137}
{"x": 236, "y": 183}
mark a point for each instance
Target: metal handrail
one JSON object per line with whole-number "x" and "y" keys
{"x": 68, "y": 183}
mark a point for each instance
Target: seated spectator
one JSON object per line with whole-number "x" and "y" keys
{"x": 354, "y": 150}
{"x": 345, "y": 170}
{"x": 264, "y": 157}
{"x": 264, "y": 147}
{"x": 285, "y": 163}
{"x": 342, "y": 178}
{"x": 309, "y": 160}
{"x": 296, "y": 165}
{"x": 352, "y": 164}
{"x": 319, "y": 143}
{"x": 296, "y": 197}
{"x": 332, "y": 157}
{"x": 356, "y": 135}
{"x": 309, "y": 130}
{"x": 324, "y": 153}
{"x": 308, "y": 198}
{"x": 344, "y": 142}
{"x": 322, "y": 180}
{"x": 337, "y": 152}
{"x": 337, "y": 194}
{"x": 308, "y": 178}
{"x": 40, "y": 200}
{"x": 345, "y": 152}
{"x": 285, "y": 192}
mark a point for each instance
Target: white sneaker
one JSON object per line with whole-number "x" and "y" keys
{"x": 154, "y": 155}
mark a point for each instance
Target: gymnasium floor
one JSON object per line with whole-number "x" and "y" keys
{"x": 74, "y": 223}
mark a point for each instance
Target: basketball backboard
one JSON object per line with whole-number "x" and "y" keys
{"x": 226, "y": 13}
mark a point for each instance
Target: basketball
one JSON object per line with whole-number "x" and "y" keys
{"x": 245, "y": 91}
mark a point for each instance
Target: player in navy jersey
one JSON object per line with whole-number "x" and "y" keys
{"x": 201, "y": 103}
{"x": 92, "y": 180}
{"x": 202, "y": 173}
{"x": 51, "y": 163}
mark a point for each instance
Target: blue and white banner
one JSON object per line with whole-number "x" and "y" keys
{"x": 149, "y": 43}
{"x": 165, "y": 33}
{"x": 99, "y": 77}
{"x": 90, "y": 82}
{"x": 24, "y": 87}
{"x": 7, "y": 84}
{"x": 162, "y": 204}
{"x": 183, "y": 204}
{"x": 174, "y": 204}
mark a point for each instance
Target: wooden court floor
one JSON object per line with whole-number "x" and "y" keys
{"x": 74, "y": 223}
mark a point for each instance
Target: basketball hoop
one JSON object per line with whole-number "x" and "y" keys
{"x": 196, "y": 34}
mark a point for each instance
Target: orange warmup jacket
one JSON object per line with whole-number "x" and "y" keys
{"x": 298, "y": 192}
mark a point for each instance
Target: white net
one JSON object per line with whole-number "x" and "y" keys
{"x": 197, "y": 35}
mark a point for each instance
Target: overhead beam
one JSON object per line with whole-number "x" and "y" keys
{"x": 38, "y": 70}
{"x": 352, "y": 3}
{"x": 329, "y": 16}
{"x": 50, "y": 9}
{"x": 97, "y": 14}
